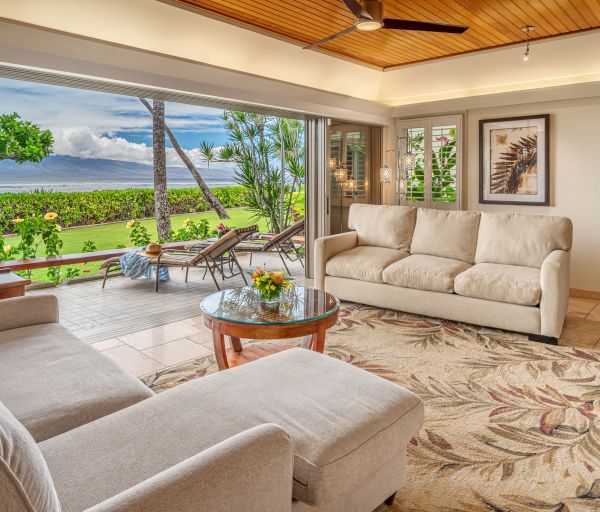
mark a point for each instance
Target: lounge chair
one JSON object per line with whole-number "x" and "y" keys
{"x": 216, "y": 257}
{"x": 281, "y": 243}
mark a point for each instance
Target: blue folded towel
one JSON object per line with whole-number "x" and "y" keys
{"x": 135, "y": 265}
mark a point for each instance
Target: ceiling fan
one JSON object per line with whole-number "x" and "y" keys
{"x": 369, "y": 17}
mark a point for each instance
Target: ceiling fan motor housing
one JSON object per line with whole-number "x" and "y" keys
{"x": 375, "y": 9}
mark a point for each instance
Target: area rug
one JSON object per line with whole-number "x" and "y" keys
{"x": 510, "y": 425}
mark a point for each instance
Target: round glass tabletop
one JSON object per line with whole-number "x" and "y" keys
{"x": 244, "y": 306}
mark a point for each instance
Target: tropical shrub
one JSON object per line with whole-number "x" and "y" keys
{"x": 257, "y": 144}
{"x": 138, "y": 235}
{"x": 98, "y": 207}
{"x": 190, "y": 231}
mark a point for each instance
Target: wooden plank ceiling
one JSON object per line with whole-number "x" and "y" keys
{"x": 492, "y": 23}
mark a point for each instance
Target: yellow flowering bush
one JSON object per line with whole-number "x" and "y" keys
{"x": 270, "y": 284}
{"x": 17, "y": 220}
{"x": 50, "y": 216}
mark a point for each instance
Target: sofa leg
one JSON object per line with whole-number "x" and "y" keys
{"x": 390, "y": 500}
{"x": 549, "y": 340}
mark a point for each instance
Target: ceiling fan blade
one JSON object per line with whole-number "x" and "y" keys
{"x": 329, "y": 38}
{"x": 357, "y": 10}
{"x": 425, "y": 26}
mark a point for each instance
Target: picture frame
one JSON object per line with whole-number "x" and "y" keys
{"x": 514, "y": 160}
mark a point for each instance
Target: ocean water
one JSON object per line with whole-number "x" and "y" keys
{"x": 103, "y": 185}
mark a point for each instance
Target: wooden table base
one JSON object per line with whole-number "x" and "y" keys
{"x": 313, "y": 334}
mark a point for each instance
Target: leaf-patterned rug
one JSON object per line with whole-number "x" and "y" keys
{"x": 510, "y": 425}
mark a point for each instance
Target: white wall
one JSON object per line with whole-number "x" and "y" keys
{"x": 553, "y": 62}
{"x": 574, "y": 171}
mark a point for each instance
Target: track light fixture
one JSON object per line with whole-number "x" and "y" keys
{"x": 527, "y": 29}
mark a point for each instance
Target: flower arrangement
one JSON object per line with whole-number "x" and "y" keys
{"x": 270, "y": 284}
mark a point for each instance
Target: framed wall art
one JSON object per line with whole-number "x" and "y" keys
{"x": 514, "y": 165}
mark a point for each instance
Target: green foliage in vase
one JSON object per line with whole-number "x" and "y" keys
{"x": 23, "y": 141}
{"x": 270, "y": 284}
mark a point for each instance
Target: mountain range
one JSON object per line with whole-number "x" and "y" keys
{"x": 66, "y": 172}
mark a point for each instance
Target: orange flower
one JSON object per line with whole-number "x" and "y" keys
{"x": 277, "y": 277}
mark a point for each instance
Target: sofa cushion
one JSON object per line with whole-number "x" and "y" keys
{"x": 502, "y": 283}
{"x": 53, "y": 382}
{"x": 521, "y": 239}
{"x": 344, "y": 423}
{"x": 448, "y": 234}
{"x": 363, "y": 263}
{"x": 25, "y": 482}
{"x": 383, "y": 225}
{"x": 425, "y": 272}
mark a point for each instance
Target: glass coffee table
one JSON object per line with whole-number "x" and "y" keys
{"x": 239, "y": 313}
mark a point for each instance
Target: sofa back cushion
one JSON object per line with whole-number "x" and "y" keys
{"x": 25, "y": 482}
{"x": 447, "y": 234}
{"x": 521, "y": 239}
{"x": 383, "y": 225}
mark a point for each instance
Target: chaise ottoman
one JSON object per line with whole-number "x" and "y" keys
{"x": 349, "y": 431}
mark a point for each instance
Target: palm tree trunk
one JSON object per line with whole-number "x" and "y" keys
{"x": 212, "y": 200}
{"x": 161, "y": 199}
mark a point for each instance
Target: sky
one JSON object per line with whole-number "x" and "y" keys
{"x": 90, "y": 124}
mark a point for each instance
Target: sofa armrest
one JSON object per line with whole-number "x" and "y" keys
{"x": 251, "y": 471}
{"x": 554, "y": 282}
{"x": 326, "y": 248}
{"x": 28, "y": 310}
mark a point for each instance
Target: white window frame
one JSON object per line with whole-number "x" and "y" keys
{"x": 427, "y": 123}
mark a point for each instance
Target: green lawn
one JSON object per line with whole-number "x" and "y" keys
{"x": 108, "y": 236}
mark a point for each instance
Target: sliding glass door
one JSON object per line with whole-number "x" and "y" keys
{"x": 354, "y": 157}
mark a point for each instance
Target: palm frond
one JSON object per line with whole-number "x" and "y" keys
{"x": 520, "y": 158}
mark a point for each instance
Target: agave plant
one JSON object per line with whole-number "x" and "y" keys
{"x": 520, "y": 158}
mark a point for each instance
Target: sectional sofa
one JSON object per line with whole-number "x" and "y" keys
{"x": 503, "y": 270}
{"x": 294, "y": 431}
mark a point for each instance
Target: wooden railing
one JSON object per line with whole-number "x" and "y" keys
{"x": 86, "y": 257}
{"x": 73, "y": 259}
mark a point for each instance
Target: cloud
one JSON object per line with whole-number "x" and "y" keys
{"x": 91, "y": 124}
{"x": 84, "y": 143}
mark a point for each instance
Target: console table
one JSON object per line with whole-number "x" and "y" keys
{"x": 12, "y": 285}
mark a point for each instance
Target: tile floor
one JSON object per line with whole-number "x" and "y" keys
{"x": 146, "y": 331}
{"x": 142, "y": 330}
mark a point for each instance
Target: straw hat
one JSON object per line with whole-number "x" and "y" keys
{"x": 152, "y": 250}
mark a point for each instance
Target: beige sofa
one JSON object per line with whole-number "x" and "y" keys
{"x": 504, "y": 270}
{"x": 294, "y": 431}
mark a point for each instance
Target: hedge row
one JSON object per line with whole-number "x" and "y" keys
{"x": 84, "y": 208}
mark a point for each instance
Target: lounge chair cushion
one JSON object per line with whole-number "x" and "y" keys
{"x": 52, "y": 382}
{"x": 425, "y": 272}
{"x": 25, "y": 482}
{"x": 447, "y": 234}
{"x": 383, "y": 225}
{"x": 502, "y": 283}
{"x": 344, "y": 422}
{"x": 521, "y": 239}
{"x": 363, "y": 263}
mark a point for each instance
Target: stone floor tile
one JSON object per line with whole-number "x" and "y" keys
{"x": 132, "y": 360}
{"x": 107, "y": 344}
{"x": 176, "y": 352}
{"x": 158, "y": 335}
